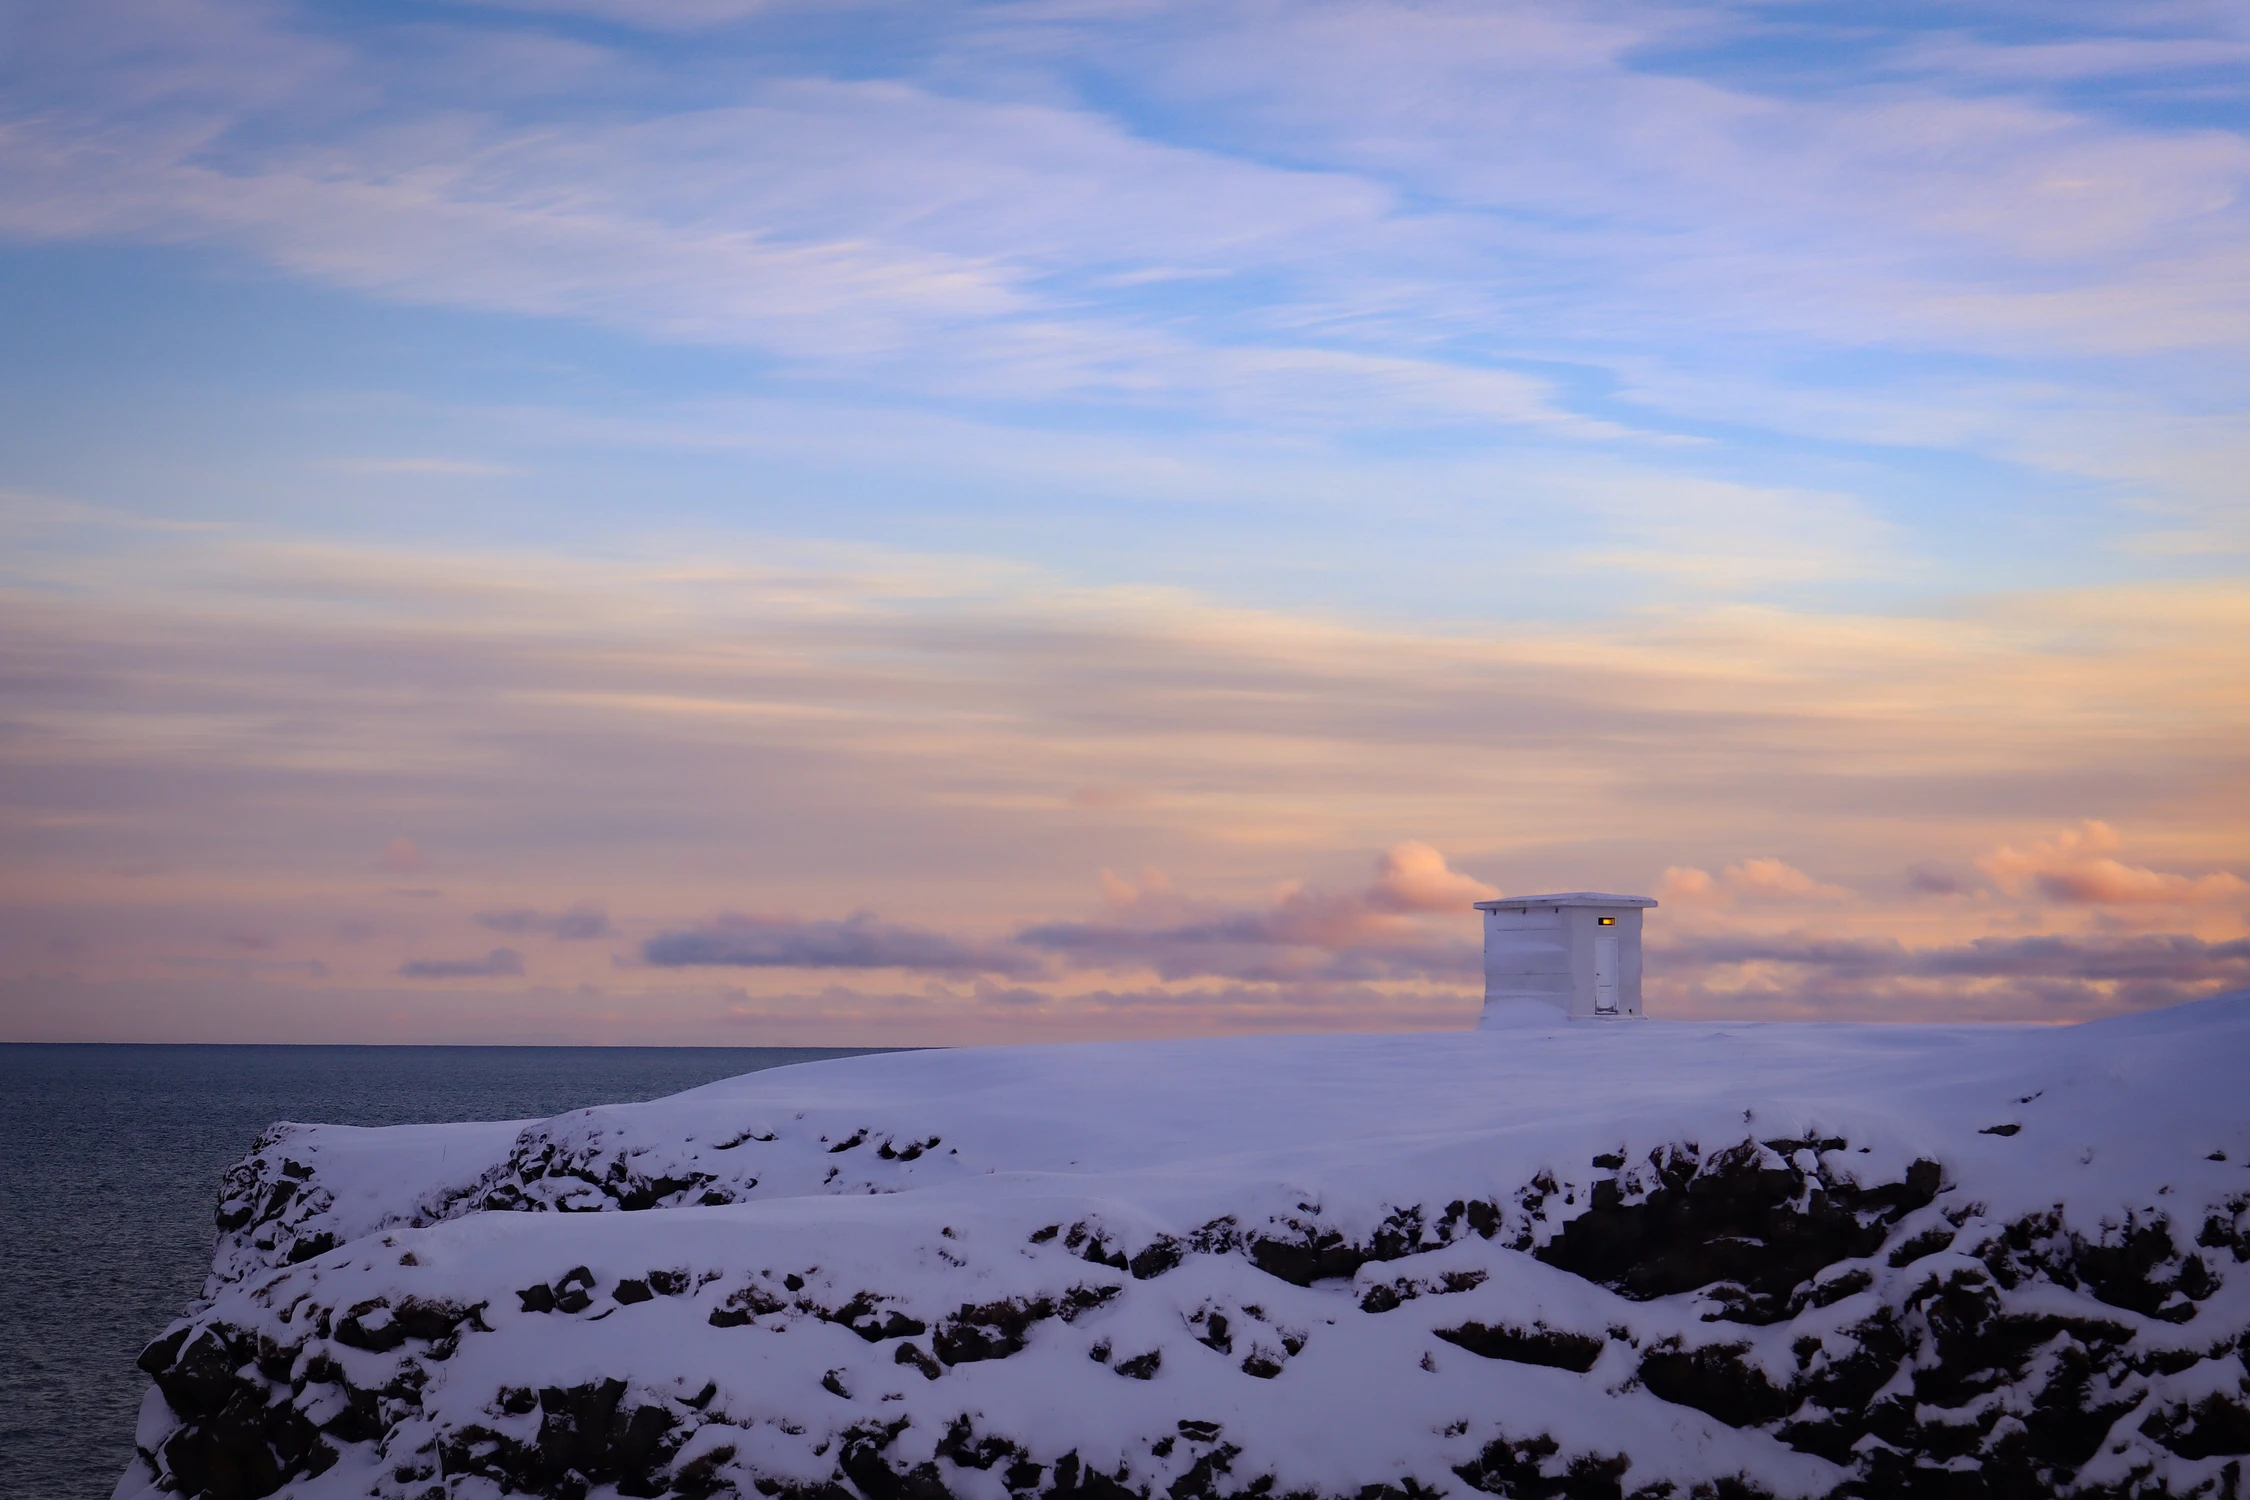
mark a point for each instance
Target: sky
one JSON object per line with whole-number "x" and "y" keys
{"x": 753, "y": 522}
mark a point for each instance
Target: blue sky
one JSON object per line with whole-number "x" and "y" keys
{"x": 1782, "y": 345}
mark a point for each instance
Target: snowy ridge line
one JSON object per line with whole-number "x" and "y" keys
{"x": 1656, "y": 1261}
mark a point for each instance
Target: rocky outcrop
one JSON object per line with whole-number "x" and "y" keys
{"x": 1929, "y": 1350}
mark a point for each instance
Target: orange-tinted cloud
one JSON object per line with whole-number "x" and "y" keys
{"x": 905, "y": 737}
{"x": 1413, "y": 877}
{"x": 2041, "y": 977}
{"x": 1753, "y": 880}
{"x": 1302, "y": 934}
{"x": 2076, "y": 866}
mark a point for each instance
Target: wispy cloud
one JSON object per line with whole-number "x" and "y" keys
{"x": 1753, "y": 880}
{"x": 860, "y": 941}
{"x": 577, "y": 923}
{"x": 439, "y": 468}
{"x": 2050, "y": 977}
{"x": 1353, "y": 175}
{"x": 500, "y": 963}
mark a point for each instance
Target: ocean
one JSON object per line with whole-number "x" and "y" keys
{"x": 110, "y": 1158}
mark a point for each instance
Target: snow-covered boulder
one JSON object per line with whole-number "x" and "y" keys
{"x": 1656, "y": 1259}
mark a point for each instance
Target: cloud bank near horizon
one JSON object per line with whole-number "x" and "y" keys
{"x": 660, "y": 788}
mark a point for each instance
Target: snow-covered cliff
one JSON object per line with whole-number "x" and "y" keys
{"x": 1648, "y": 1259}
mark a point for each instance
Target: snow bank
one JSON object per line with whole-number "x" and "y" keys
{"x": 1642, "y": 1259}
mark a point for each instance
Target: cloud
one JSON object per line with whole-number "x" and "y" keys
{"x": 1752, "y": 881}
{"x": 1015, "y": 1011}
{"x": 2173, "y": 956}
{"x": 1414, "y": 877}
{"x": 1410, "y": 214}
{"x": 655, "y": 15}
{"x": 2075, "y": 867}
{"x": 578, "y": 922}
{"x": 1926, "y": 878}
{"x": 402, "y": 857}
{"x": 860, "y": 941}
{"x": 309, "y": 968}
{"x": 1304, "y": 934}
{"x": 500, "y": 962}
{"x": 450, "y": 468}
{"x": 2029, "y": 977}
{"x": 904, "y": 733}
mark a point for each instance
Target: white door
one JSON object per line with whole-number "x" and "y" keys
{"x": 1605, "y": 973}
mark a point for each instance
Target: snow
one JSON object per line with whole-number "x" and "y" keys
{"x": 930, "y": 1184}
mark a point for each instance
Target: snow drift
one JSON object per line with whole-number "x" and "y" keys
{"x": 1651, "y": 1259}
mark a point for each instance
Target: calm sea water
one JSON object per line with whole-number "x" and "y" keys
{"x": 110, "y": 1159}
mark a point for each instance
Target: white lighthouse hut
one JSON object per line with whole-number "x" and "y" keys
{"x": 1579, "y": 951}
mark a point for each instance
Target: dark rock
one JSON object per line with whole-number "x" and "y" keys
{"x": 859, "y": 1315}
{"x": 2214, "y": 1427}
{"x": 1201, "y": 1479}
{"x": 1731, "y": 1219}
{"x": 574, "y": 1292}
{"x": 308, "y": 1246}
{"x": 1715, "y": 1380}
{"x": 1928, "y": 1242}
{"x": 991, "y": 1330}
{"x": 1075, "y": 1481}
{"x": 698, "y": 1479}
{"x": 1527, "y": 1346}
{"x": 1155, "y": 1258}
{"x": 1526, "y": 1470}
{"x": 740, "y": 1307}
{"x": 861, "y": 1459}
{"x": 1836, "y": 1288}
{"x": 961, "y": 1445}
{"x": 370, "y": 1326}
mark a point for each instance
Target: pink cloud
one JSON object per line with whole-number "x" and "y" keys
{"x": 1753, "y": 880}
{"x": 401, "y": 856}
{"x": 2076, "y": 866}
{"x": 1304, "y": 933}
{"x": 1413, "y": 877}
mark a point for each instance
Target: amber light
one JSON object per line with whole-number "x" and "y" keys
{"x": 1608, "y": 921}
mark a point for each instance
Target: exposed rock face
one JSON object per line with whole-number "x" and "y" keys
{"x": 1756, "y": 1315}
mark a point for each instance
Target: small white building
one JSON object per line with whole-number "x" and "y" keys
{"x": 1579, "y": 951}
